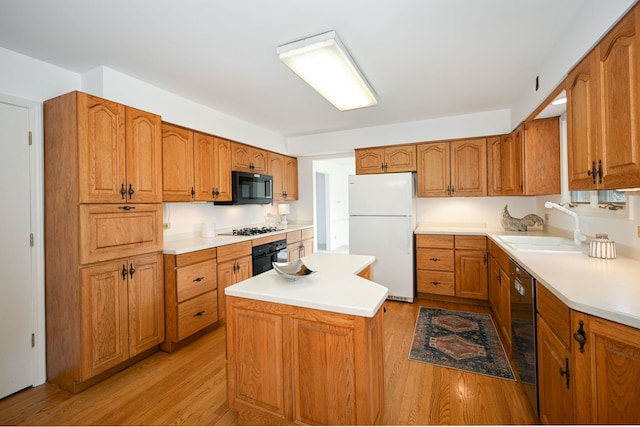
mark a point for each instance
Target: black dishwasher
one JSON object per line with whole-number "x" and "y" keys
{"x": 523, "y": 330}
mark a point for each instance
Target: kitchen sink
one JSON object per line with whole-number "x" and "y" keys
{"x": 542, "y": 244}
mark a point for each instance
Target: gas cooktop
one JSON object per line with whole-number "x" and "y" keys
{"x": 249, "y": 231}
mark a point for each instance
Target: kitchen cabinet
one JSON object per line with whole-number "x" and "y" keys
{"x": 603, "y": 112}
{"x": 122, "y": 312}
{"x": 394, "y": 158}
{"x": 494, "y": 175}
{"x": 556, "y": 375}
{"x": 499, "y": 292}
{"x": 530, "y": 158}
{"x": 103, "y": 268}
{"x": 295, "y": 365}
{"x": 471, "y": 267}
{"x": 234, "y": 265}
{"x": 119, "y": 149}
{"x": 284, "y": 170}
{"x": 606, "y": 359}
{"x": 452, "y": 168}
{"x": 452, "y": 265}
{"x": 299, "y": 243}
{"x": 246, "y": 158}
{"x": 196, "y": 166}
{"x": 191, "y": 295}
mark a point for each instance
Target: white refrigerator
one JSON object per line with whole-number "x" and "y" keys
{"x": 381, "y": 223}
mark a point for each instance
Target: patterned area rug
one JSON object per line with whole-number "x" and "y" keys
{"x": 459, "y": 340}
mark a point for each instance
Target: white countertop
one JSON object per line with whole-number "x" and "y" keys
{"x": 192, "y": 244}
{"x": 333, "y": 287}
{"x": 607, "y": 288}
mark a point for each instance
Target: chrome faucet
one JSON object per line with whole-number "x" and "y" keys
{"x": 577, "y": 236}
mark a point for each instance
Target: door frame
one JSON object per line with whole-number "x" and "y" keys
{"x": 36, "y": 175}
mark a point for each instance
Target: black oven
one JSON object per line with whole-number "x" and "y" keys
{"x": 250, "y": 189}
{"x": 264, "y": 255}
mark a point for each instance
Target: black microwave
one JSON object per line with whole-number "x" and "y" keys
{"x": 250, "y": 189}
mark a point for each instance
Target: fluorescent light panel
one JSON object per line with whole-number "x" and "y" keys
{"x": 324, "y": 63}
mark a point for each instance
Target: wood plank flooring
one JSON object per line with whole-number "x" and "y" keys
{"x": 188, "y": 387}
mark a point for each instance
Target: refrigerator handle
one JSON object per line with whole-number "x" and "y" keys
{"x": 409, "y": 236}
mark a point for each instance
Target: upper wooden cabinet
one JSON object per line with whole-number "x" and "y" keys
{"x": 603, "y": 112}
{"x": 247, "y": 158}
{"x": 395, "y": 158}
{"x": 196, "y": 166}
{"x": 494, "y": 174}
{"x": 530, "y": 159}
{"x": 284, "y": 170}
{"x": 455, "y": 168}
{"x": 119, "y": 149}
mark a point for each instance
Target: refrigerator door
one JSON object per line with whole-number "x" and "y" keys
{"x": 389, "y": 239}
{"x": 381, "y": 194}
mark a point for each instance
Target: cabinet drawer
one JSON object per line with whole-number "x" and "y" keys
{"x": 294, "y": 236}
{"x": 234, "y": 251}
{"x": 196, "y": 279}
{"x": 196, "y": 256}
{"x": 436, "y": 282}
{"x": 434, "y": 241}
{"x": 197, "y": 313}
{"x": 118, "y": 231}
{"x": 471, "y": 242}
{"x": 499, "y": 254}
{"x": 556, "y": 313}
{"x": 434, "y": 259}
{"x": 306, "y": 234}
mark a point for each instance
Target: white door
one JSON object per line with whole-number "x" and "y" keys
{"x": 16, "y": 299}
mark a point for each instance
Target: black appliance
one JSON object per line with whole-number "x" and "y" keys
{"x": 250, "y": 189}
{"x": 264, "y": 255}
{"x": 523, "y": 330}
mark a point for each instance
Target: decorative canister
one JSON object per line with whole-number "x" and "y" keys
{"x": 602, "y": 247}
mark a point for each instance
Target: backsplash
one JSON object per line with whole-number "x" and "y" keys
{"x": 186, "y": 218}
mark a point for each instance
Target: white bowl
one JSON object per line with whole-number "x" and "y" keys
{"x": 292, "y": 270}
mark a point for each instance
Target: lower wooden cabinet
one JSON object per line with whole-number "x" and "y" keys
{"x": 234, "y": 265}
{"x": 297, "y": 365}
{"x": 299, "y": 243}
{"x": 452, "y": 265}
{"x": 499, "y": 292}
{"x": 191, "y": 295}
{"x": 122, "y": 315}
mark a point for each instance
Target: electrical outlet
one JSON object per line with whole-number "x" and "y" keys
{"x": 639, "y": 231}
{"x": 546, "y": 217}
{"x": 166, "y": 225}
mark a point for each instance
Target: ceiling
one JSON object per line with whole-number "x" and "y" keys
{"x": 424, "y": 58}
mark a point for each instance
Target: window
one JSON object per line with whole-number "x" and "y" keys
{"x": 602, "y": 200}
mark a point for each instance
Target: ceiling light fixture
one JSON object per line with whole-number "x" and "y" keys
{"x": 325, "y": 64}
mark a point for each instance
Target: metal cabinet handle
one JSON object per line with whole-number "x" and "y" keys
{"x": 581, "y": 336}
{"x": 435, "y": 283}
{"x": 565, "y": 371}
{"x": 199, "y": 279}
{"x": 124, "y": 272}
{"x": 131, "y": 270}
{"x": 199, "y": 314}
{"x": 131, "y": 191}
{"x": 126, "y": 208}
{"x": 123, "y": 192}
{"x": 435, "y": 259}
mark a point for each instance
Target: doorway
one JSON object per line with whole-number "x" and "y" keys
{"x": 22, "y": 286}
{"x": 331, "y": 201}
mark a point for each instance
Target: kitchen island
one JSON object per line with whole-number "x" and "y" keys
{"x": 308, "y": 351}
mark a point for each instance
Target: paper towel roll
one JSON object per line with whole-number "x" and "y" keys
{"x": 208, "y": 229}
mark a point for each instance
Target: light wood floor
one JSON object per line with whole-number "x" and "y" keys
{"x": 188, "y": 387}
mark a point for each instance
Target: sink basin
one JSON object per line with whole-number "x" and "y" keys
{"x": 541, "y": 244}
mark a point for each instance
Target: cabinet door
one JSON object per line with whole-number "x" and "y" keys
{"x": 226, "y": 277}
{"x": 204, "y": 166}
{"x": 144, "y": 156}
{"x": 582, "y": 123}
{"x": 369, "y": 160}
{"x": 619, "y": 64}
{"x": 555, "y": 378}
{"x": 494, "y": 176}
{"x": 469, "y": 167}
{"x": 433, "y": 169}
{"x": 177, "y": 164}
{"x": 276, "y": 170}
{"x": 259, "y": 160}
{"x": 306, "y": 247}
{"x": 222, "y": 177}
{"x": 471, "y": 274}
{"x": 240, "y": 157}
{"x": 290, "y": 178}
{"x": 542, "y": 156}
{"x": 101, "y": 147}
{"x": 244, "y": 270}
{"x": 146, "y": 303}
{"x": 400, "y": 158}
{"x": 104, "y": 342}
{"x": 511, "y": 163}
{"x": 494, "y": 290}
{"x": 607, "y": 372}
